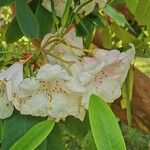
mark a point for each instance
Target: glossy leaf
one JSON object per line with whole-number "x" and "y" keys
{"x": 27, "y": 21}
{"x": 107, "y": 37}
{"x": 54, "y": 140}
{"x": 127, "y": 89}
{"x": 34, "y": 136}
{"x": 45, "y": 21}
{"x": 75, "y": 127}
{"x": 123, "y": 34}
{"x": 1, "y": 131}
{"x": 13, "y": 32}
{"x": 5, "y": 2}
{"x": 116, "y": 16}
{"x": 89, "y": 38}
{"x": 15, "y": 127}
{"x": 143, "y": 12}
{"x": 132, "y": 4}
{"x": 88, "y": 142}
{"x": 65, "y": 17}
{"x": 104, "y": 126}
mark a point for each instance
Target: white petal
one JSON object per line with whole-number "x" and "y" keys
{"x": 47, "y": 4}
{"x": 12, "y": 76}
{"x": 63, "y": 106}
{"x": 86, "y": 98}
{"x": 24, "y": 91}
{"x": 46, "y": 39}
{"x": 74, "y": 85}
{"x": 52, "y": 60}
{"x": 73, "y": 39}
{"x": 109, "y": 90}
{"x": 12, "y": 72}
{"x": 89, "y": 62}
{"x": 50, "y": 72}
{"x": 81, "y": 113}
{"x": 77, "y": 69}
{"x": 29, "y": 84}
{"x": 36, "y": 106}
{"x": 6, "y": 107}
{"x": 119, "y": 69}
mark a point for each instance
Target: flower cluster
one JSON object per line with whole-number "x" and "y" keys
{"x": 62, "y": 86}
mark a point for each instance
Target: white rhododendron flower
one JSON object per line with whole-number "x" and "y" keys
{"x": 103, "y": 74}
{"x": 69, "y": 49}
{"x": 88, "y": 8}
{"x": 9, "y": 80}
{"x": 48, "y": 95}
{"x": 59, "y": 6}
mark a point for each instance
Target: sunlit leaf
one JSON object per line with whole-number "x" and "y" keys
{"x": 123, "y": 34}
{"x": 106, "y": 37}
{"x": 132, "y": 4}
{"x": 143, "y": 12}
{"x": 104, "y": 125}
{"x": 65, "y": 17}
{"x": 127, "y": 90}
{"x": 34, "y": 136}
{"x": 116, "y": 16}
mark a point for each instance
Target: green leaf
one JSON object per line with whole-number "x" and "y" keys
{"x": 54, "y": 141}
{"x": 142, "y": 48}
{"x": 34, "y": 136}
{"x": 88, "y": 142}
{"x": 122, "y": 34}
{"x": 1, "y": 131}
{"x": 106, "y": 37}
{"x": 13, "y": 32}
{"x": 6, "y": 2}
{"x": 89, "y": 38}
{"x": 85, "y": 26}
{"x": 116, "y": 16}
{"x": 127, "y": 89}
{"x": 76, "y": 127}
{"x": 65, "y": 17}
{"x": 27, "y": 20}
{"x": 33, "y": 5}
{"x": 132, "y": 5}
{"x": 15, "y": 127}
{"x": 45, "y": 21}
{"x": 104, "y": 125}
{"x": 143, "y": 12}
{"x": 56, "y": 20}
